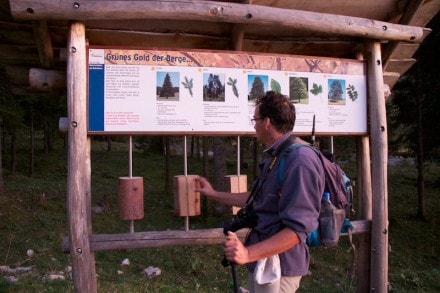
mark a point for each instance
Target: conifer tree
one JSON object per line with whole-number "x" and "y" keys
{"x": 257, "y": 89}
{"x": 167, "y": 87}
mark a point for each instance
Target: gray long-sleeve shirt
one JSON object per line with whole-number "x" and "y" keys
{"x": 289, "y": 196}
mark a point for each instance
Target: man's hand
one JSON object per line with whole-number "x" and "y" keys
{"x": 234, "y": 199}
{"x": 203, "y": 186}
{"x": 235, "y": 251}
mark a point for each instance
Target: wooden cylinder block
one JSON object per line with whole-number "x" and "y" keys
{"x": 236, "y": 184}
{"x": 131, "y": 198}
{"x": 46, "y": 80}
{"x": 186, "y": 199}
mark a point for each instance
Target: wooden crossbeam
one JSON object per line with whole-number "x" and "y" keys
{"x": 157, "y": 239}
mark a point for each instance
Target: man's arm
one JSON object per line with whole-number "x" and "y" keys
{"x": 236, "y": 252}
{"x": 233, "y": 199}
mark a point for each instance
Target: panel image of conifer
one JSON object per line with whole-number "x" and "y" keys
{"x": 214, "y": 87}
{"x": 257, "y": 85}
{"x": 167, "y": 90}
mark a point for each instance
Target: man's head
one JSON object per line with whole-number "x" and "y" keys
{"x": 278, "y": 109}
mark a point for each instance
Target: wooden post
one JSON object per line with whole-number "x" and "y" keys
{"x": 88, "y": 185}
{"x": 78, "y": 187}
{"x": 363, "y": 187}
{"x": 364, "y": 178}
{"x": 379, "y": 155}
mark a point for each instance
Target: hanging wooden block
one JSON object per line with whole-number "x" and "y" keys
{"x": 186, "y": 199}
{"x": 236, "y": 184}
{"x": 131, "y": 198}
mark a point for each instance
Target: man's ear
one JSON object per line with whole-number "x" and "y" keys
{"x": 267, "y": 122}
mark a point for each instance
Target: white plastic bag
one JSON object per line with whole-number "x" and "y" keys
{"x": 267, "y": 274}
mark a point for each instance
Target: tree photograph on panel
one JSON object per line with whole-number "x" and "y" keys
{"x": 167, "y": 88}
{"x": 213, "y": 87}
{"x": 257, "y": 85}
{"x": 299, "y": 90}
{"x": 336, "y": 92}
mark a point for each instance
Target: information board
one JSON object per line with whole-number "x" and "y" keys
{"x": 143, "y": 91}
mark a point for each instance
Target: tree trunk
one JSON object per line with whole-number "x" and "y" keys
{"x": 421, "y": 211}
{"x": 219, "y": 172}
{"x": 256, "y": 160}
{"x": 192, "y": 146}
{"x": 109, "y": 143}
{"x": 32, "y": 144}
{"x": 2, "y": 184}
{"x": 206, "y": 203}
{"x": 48, "y": 145}
{"x": 198, "y": 147}
{"x": 3, "y": 148}
{"x": 13, "y": 151}
{"x": 167, "y": 165}
{"x": 46, "y": 138}
{"x": 243, "y": 146}
{"x": 205, "y": 150}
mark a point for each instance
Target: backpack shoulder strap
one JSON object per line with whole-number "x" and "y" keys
{"x": 282, "y": 161}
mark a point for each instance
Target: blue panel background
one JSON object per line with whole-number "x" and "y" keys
{"x": 96, "y": 97}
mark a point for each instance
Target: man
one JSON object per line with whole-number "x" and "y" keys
{"x": 288, "y": 209}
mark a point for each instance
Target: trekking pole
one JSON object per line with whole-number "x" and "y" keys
{"x": 226, "y": 263}
{"x": 234, "y": 276}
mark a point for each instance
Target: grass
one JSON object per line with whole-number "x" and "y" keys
{"x": 33, "y": 216}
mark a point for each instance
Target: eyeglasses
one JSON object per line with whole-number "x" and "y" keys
{"x": 255, "y": 119}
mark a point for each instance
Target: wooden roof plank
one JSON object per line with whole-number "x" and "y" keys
{"x": 215, "y": 12}
{"x": 404, "y": 51}
{"x": 44, "y": 43}
{"x": 391, "y": 78}
{"x": 401, "y": 66}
